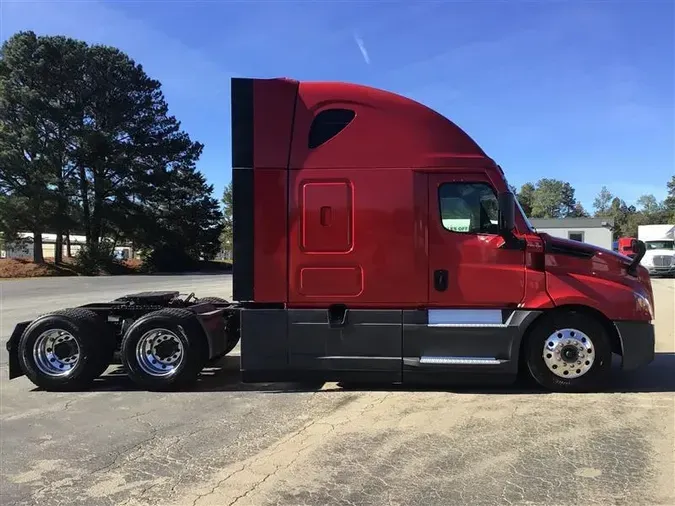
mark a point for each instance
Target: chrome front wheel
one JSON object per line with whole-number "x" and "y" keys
{"x": 569, "y": 353}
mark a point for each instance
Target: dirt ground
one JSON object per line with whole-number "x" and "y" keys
{"x": 228, "y": 443}
{"x": 20, "y": 268}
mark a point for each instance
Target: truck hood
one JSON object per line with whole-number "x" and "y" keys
{"x": 566, "y": 257}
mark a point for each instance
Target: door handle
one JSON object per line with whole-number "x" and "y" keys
{"x": 441, "y": 280}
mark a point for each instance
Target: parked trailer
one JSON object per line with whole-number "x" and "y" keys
{"x": 373, "y": 240}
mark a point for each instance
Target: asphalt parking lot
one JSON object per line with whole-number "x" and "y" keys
{"x": 226, "y": 443}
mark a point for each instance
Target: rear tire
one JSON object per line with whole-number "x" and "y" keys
{"x": 66, "y": 350}
{"x": 164, "y": 350}
{"x": 569, "y": 351}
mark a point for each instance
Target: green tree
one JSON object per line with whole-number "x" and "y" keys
{"x": 226, "y": 235}
{"x": 86, "y": 142}
{"x": 669, "y": 202}
{"x": 553, "y": 198}
{"x": 625, "y": 218}
{"x": 579, "y": 211}
{"x": 603, "y": 202}
{"x": 526, "y": 198}
{"x": 26, "y": 178}
{"x": 648, "y": 204}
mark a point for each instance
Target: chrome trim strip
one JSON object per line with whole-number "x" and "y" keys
{"x": 460, "y": 361}
{"x": 467, "y": 318}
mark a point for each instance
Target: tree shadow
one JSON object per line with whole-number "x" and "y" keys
{"x": 224, "y": 376}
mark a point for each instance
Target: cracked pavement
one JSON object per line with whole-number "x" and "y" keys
{"x": 229, "y": 444}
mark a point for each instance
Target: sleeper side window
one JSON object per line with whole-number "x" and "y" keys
{"x": 470, "y": 208}
{"x": 327, "y": 124}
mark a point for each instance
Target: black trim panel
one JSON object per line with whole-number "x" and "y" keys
{"x": 553, "y": 247}
{"x": 242, "y": 122}
{"x": 637, "y": 343}
{"x": 363, "y": 341}
{"x": 243, "y": 205}
{"x": 264, "y": 342}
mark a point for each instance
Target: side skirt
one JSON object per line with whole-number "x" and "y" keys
{"x": 336, "y": 344}
{"x": 463, "y": 345}
{"x": 383, "y": 346}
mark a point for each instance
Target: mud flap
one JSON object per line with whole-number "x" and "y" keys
{"x": 637, "y": 343}
{"x": 13, "y": 350}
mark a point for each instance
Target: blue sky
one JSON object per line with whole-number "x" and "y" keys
{"x": 577, "y": 90}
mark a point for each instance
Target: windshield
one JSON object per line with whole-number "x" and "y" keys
{"x": 527, "y": 220}
{"x": 659, "y": 244}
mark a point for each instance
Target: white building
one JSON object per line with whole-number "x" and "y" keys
{"x": 596, "y": 231}
{"x": 25, "y": 249}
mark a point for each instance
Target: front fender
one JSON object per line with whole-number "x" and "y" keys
{"x": 13, "y": 350}
{"x": 615, "y": 300}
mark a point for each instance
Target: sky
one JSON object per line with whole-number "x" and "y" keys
{"x": 582, "y": 90}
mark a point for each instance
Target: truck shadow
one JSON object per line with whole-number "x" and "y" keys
{"x": 224, "y": 376}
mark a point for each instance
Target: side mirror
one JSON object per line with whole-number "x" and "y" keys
{"x": 507, "y": 213}
{"x": 639, "y": 248}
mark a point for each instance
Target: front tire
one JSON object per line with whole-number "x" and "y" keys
{"x": 164, "y": 350}
{"x": 66, "y": 350}
{"x": 569, "y": 351}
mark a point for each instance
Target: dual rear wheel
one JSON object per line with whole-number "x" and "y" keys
{"x": 66, "y": 350}
{"x": 69, "y": 349}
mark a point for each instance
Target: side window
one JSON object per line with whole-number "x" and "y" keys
{"x": 327, "y": 124}
{"x": 469, "y": 208}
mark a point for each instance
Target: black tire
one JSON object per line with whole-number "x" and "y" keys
{"x": 184, "y": 325}
{"x": 231, "y": 328}
{"x": 599, "y": 373}
{"x": 94, "y": 338}
{"x": 213, "y": 300}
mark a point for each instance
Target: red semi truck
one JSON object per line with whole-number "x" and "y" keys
{"x": 374, "y": 241}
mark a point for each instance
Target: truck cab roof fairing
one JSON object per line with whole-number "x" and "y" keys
{"x": 389, "y": 131}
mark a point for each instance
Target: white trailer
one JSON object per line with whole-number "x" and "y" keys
{"x": 660, "y": 244}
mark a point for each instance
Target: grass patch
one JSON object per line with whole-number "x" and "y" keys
{"x": 21, "y": 268}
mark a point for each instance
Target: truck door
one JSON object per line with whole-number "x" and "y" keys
{"x": 475, "y": 282}
{"x": 470, "y": 265}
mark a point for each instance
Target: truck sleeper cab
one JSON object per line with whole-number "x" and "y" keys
{"x": 374, "y": 240}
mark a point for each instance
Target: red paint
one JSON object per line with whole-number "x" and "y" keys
{"x": 626, "y": 246}
{"x": 489, "y": 275}
{"x": 274, "y": 102}
{"x": 356, "y": 219}
{"x": 600, "y": 282}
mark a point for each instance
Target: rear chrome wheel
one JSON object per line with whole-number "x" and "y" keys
{"x": 159, "y": 352}
{"x": 66, "y": 349}
{"x": 56, "y": 352}
{"x": 164, "y": 350}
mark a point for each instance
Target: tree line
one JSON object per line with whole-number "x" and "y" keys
{"x": 553, "y": 198}
{"x": 87, "y": 146}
